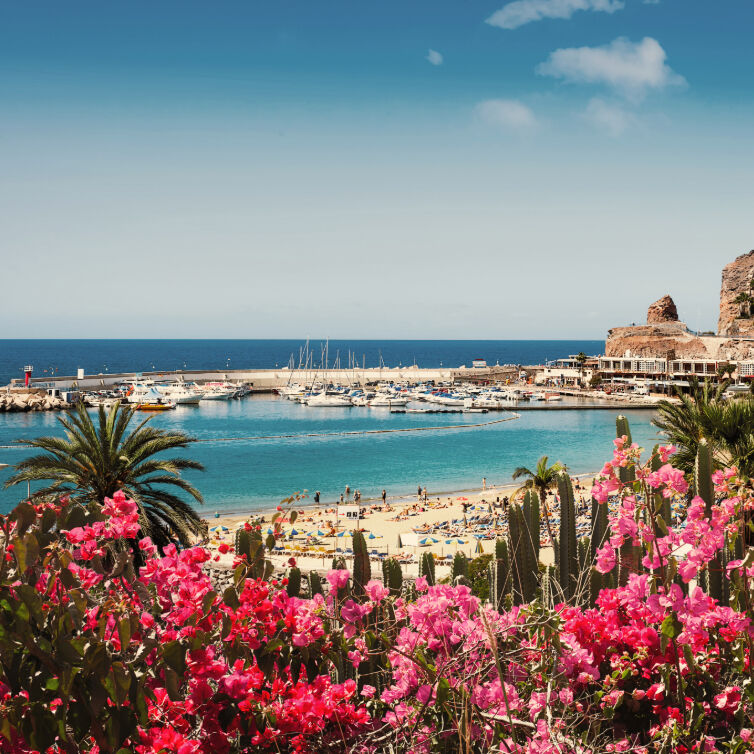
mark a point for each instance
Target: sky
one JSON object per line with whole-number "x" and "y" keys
{"x": 345, "y": 169}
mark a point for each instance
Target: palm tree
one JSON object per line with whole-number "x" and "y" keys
{"x": 728, "y": 426}
{"x": 542, "y": 479}
{"x": 95, "y": 460}
{"x": 581, "y": 360}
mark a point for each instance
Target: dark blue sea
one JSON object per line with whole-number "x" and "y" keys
{"x": 64, "y": 357}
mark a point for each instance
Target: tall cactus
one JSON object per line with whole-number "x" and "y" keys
{"x": 548, "y": 582}
{"x": 362, "y": 571}
{"x": 661, "y": 503}
{"x": 392, "y": 575}
{"x": 704, "y": 488}
{"x": 599, "y": 527}
{"x": 524, "y": 566}
{"x": 622, "y": 428}
{"x": 531, "y": 511}
{"x": 499, "y": 575}
{"x": 293, "y": 588}
{"x": 459, "y": 568}
{"x": 427, "y": 567}
{"x": 566, "y": 554}
{"x": 315, "y": 583}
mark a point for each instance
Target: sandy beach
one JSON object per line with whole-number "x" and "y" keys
{"x": 389, "y": 529}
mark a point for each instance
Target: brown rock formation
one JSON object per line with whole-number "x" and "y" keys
{"x": 656, "y": 340}
{"x": 736, "y": 312}
{"x": 663, "y": 310}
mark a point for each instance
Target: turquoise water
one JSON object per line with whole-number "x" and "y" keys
{"x": 250, "y": 474}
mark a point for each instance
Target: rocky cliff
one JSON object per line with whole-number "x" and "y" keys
{"x": 737, "y": 298}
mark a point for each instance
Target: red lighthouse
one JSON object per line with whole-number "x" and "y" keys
{"x": 27, "y": 374}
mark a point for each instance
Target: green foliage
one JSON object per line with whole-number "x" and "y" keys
{"x": 532, "y": 513}
{"x": 622, "y": 428}
{"x": 97, "y": 459}
{"x": 717, "y": 583}
{"x": 478, "y": 575}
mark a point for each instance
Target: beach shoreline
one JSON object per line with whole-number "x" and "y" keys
{"x": 389, "y": 525}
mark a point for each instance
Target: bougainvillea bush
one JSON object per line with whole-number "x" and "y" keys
{"x": 97, "y": 655}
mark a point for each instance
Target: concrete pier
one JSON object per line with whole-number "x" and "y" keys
{"x": 267, "y": 380}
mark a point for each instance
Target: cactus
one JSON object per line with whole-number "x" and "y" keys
{"x": 566, "y": 554}
{"x": 392, "y": 575}
{"x": 249, "y": 544}
{"x": 499, "y": 575}
{"x": 548, "y": 582}
{"x": 460, "y": 567}
{"x": 585, "y": 553}
{"x": 531, "y": 511}
{"x": 361, "y": 569}
{"x": 427, "y": 567}
{"x": 622, "y": 428}
{"x": 315, "y": 583}
{"x": 718, "y": 586}
{"x": 524, "y": 568}
{"x": 293, "y": 587}
{"x": 339, "y": 563}
{"x": 599, "y": 527}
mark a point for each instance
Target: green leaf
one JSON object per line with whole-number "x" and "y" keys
{"x": 671, "y": 627}
{"x": 443, "y": 688}
{"x": 230, "y": 598}
{"x": 124, "y": 632}
{"x": 25, "y": 516}
{"x": 26, "y": 551}
{"x": 175, "y": 656}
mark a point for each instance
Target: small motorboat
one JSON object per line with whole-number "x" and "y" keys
{"x": 161, "y": 406}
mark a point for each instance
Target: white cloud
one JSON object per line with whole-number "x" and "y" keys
{"x": 509, "y": 113}
{"x": 434, "y": 57}
{"x": 608, "y": 116}
{"x": 630, "y": 68}
{"x": 521, "y": 12}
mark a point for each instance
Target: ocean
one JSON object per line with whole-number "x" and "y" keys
{"x": 261, "y": 449}
{"x": 65, "y": 357}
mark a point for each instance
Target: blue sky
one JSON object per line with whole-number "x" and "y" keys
{"x": 540, "y": 168}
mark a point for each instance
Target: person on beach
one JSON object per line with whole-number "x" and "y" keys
{"x": 424, "y": 494}
{"x": 384, "y": 496}
{"x": 341, "y": 497}
{"x": 316, "y": 497}
{"x": 348, "y": 492}
{"x": 419, "y": 492}
{"x": 484, "y": 482}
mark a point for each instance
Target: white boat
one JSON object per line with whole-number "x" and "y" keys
{"x": 329, "y": 400}
{"x": 181, "y": 395}
{"x": 217, "y": 391}
{"x": 387, "y": 401}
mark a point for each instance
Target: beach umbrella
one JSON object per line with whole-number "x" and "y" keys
{"x": 293, "y": 532}
{"x": 479, "y": 550}
{"x": 320, "y": 533}
{"x": 371, "y": 536}
{"x": 225, "y": 528}
{"x": 400, "y": 544}
{"x": 341, "y": 534}
{"x": 214, "y": 528}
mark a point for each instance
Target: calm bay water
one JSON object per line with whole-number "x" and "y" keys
{"x": 246, "y": 473}
{"x": 249, "y": 474}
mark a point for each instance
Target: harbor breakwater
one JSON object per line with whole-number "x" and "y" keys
{"x": 30, "y": 400}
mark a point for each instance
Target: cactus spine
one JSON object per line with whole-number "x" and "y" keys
{"x": 630, "y": 556}
{"x": 566, "y": 554}
{"x": 427, "y": 567}
{"x": 524, "y": 566}
{"x": 361, "y": 569}
{"x": 599, "y": 526}
{"x": 392, "y": 575}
